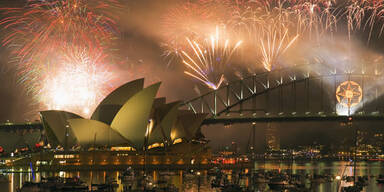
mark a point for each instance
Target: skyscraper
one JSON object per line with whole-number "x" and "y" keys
{"x": 272, "y": 138}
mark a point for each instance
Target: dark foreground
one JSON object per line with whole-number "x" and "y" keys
{"x": 310, "y": 176}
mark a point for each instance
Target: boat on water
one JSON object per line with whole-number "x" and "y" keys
{"x": 280, "y": 183}
{"x": 56, "y": 184}
{"x": 46, "y": 184}
{"x": 72, "y": 184}
{"x": 316, "y": 178}
{"x": 109, "y": 186}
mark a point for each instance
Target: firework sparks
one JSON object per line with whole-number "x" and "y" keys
{"x": 359, "y": 11}
{"x": 208, "y": 61}
{"x": 41, "y": 27}
{"x": 273, "y": 44}
{"x": 315, "y": 18}
{"x": 311, "y": 19}
{"x": 187, "y": 19}
{"x": 43, "y": 32}
{"x": 45, "y": 37}
{"x": 77, "y": 84}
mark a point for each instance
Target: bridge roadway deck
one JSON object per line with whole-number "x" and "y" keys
{"x": 245, "y": 119}
{"x": 20, "y": 126}
{"x": 292, "y": 118}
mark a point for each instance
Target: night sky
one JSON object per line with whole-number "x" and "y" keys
{"x": 139, "y": 51}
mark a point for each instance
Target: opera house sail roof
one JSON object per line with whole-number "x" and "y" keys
{"x": 57, "y": 128}
{"x": 165, "y": 117}
{"x": 130, "y": 116}
{"x": 187, "y": 125}
{"x": 92, "y": 132}
{"x": 112, "y": 103}
{"x": 132, "y": 119}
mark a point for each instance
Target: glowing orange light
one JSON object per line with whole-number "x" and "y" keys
{"x": 349, "y": 93}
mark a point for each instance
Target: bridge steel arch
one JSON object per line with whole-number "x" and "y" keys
{"x": 299, "y": 93}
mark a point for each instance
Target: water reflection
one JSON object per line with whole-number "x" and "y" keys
{"x": 189, "y": 182}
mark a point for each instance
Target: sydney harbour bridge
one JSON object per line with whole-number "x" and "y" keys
{"x": 312, "y": 92}
{"x": 308, "y": 92}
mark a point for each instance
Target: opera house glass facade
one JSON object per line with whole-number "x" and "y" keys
{"x": 129, "y": 127}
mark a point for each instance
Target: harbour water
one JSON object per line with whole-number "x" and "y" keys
{"x": 187, "y": 181}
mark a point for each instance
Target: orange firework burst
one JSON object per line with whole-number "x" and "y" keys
{"x": 41, "y": 27}
{"x": 44, "y": 36}
{"x": 76, "y": 83}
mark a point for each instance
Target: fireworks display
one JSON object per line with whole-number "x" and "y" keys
{"x": 42, "y": 27}
{"x": 268, "y": 27}
{"x": 45, "y": 38}
{"x": 209, "y": 60}
{"x": 185, "y": 20}
{"x": 55, "y": 42}
{"x": 76, "y": 83}
{"x": 273, "y": 43}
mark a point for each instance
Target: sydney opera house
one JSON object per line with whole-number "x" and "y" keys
{"x": 129, "y": 127}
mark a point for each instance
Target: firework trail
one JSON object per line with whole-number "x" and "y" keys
{"x": 355, "y": 14}
{"x": 246, "y": 22}
{"x": 315, "y": 18}
{"x": 306, "y": 17}
{"x": 273, "y": 44}
{"x": 364, "y": 15}
{"x": 207, "y": 62}
{"x": 41, "y": 26}
{"x": 322, "y": 16}
{"x": 311, "y": 19}
{"x": 190, "y": 19}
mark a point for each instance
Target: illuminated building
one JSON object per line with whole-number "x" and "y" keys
{"x": 129, "y": 122}
{"x": 272, "y": 138}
